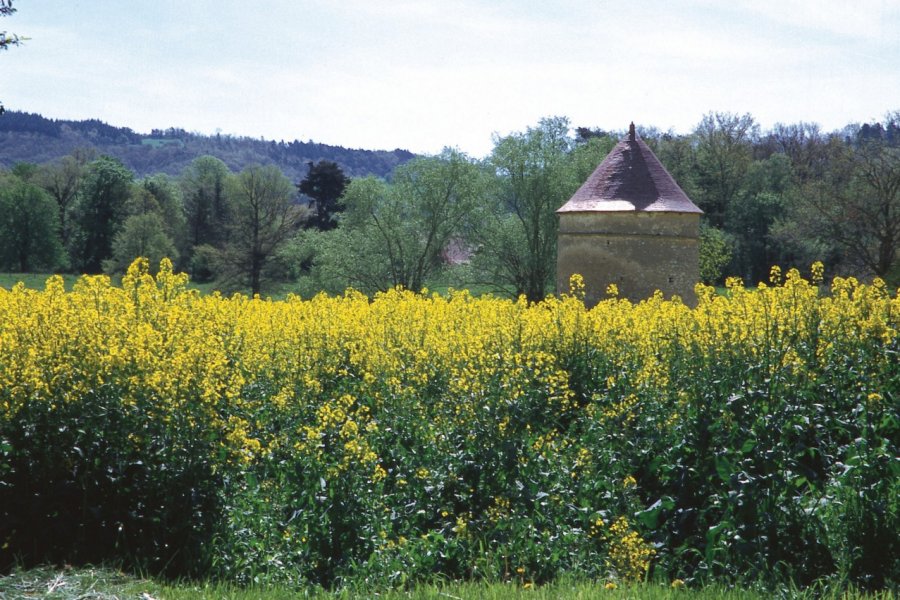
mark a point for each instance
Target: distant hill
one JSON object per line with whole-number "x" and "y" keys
{"x": 26, "y": 137}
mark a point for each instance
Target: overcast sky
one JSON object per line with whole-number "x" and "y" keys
{"x": 424, "y": 74}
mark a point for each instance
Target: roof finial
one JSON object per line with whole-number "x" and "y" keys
{"x": 631, "y": 132}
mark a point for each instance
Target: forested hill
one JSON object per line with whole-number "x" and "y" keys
{"x": 26, "y": 137}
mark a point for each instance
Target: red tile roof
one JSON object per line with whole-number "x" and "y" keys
{"x": 630, "y": 178}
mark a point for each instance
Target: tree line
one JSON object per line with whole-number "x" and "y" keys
{"x": 29, "y": 137}
{"x": 789, "y": 196}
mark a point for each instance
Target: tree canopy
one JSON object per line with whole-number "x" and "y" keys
{"x": 324, "y": 185}
{"x": 28, "y": 227}
{"x": 790, "y": 196}
{"x": 394, "y": 233}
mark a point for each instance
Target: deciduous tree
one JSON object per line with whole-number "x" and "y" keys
{"x": 142, "y": 235}
{"x": 724, "y": 154}
{"x": 28, "y": 227}
{"x": 858, "y": 204}
{"x": 393, "y": 234}
{"x": 516, "y": 237}
{"x": 62, "y": 180}
{"x": 99, "y": 212}
{"x": 206, "y": 208}
{"x": 264, "y": 217}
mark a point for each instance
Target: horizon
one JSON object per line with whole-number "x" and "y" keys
{"x": 425, "y": 75}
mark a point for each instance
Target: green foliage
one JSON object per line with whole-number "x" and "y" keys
{"x": 324, "y": 185}
{"x": 754, "y": 443}
{"x": 715, "y": 253}
{"x": 724, "y": 155}
{"x": 203, "y": 267}
{"x": 516, "y": 235}
{"x": 167, "y": 193}
{"x": 99, "y": 213}
{"x": 394, "y": 233}
{"x": 62, "y": 180}
{"x": 29, "y": 238}
{"x": 142, "y": 235}
{"x": 206, "y": 209}
{"x": 263, "y": 218}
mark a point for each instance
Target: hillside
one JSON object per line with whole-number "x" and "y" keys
{"x": 26, "y": 137}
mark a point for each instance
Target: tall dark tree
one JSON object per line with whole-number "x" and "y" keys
{"x": 99, "y": 212}
{"x": 751, "y": 215}
{"x": 324, "y": 185}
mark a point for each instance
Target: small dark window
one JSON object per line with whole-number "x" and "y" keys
{"x": 671, "y": 279}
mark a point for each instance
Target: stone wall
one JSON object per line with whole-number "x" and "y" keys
{"x": 640, "y": 252}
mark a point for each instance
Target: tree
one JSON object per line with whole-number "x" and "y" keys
{"x": 516, "y": 237}
{"x": 99, "y": 212}
{"x": 206, "y": 208}
{"x": 170, "y": 207}
{"x": 153, "y": 216}
{"x": 715, "y": 253}
{"x": 394, "y": 234}
{"x": 858, "y": 204}
{"x": 28, "y": 227}
{"x": 751, "y": 215}
{"x": 324, "y": 185}
{"x": 808, "y": 149}
{"x": 62, "y": 180}
{"x": 264, "y": 218}
{"x": 142, "y": 235}
{"x": 724, "y": 154}
{"x": 679, "y": 155}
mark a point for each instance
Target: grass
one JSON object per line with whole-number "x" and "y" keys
{"x": 109, "y": 584}
{"x": 36, "y": 281}
{"x": 278, "y": 291}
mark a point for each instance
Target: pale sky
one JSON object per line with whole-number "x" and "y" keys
{"x": 425, "y": 74}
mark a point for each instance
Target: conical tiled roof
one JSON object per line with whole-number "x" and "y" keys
{"x": 630, "y": 178}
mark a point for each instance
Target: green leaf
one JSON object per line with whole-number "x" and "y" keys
{"x": 724, "y": 468}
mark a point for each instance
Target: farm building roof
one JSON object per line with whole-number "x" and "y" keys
{"x": 630, "y": 178}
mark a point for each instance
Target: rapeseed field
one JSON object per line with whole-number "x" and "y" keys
{"x": 414, "y": 438}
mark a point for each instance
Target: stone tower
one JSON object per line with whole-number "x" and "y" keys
{"x": 631, "y": 225}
